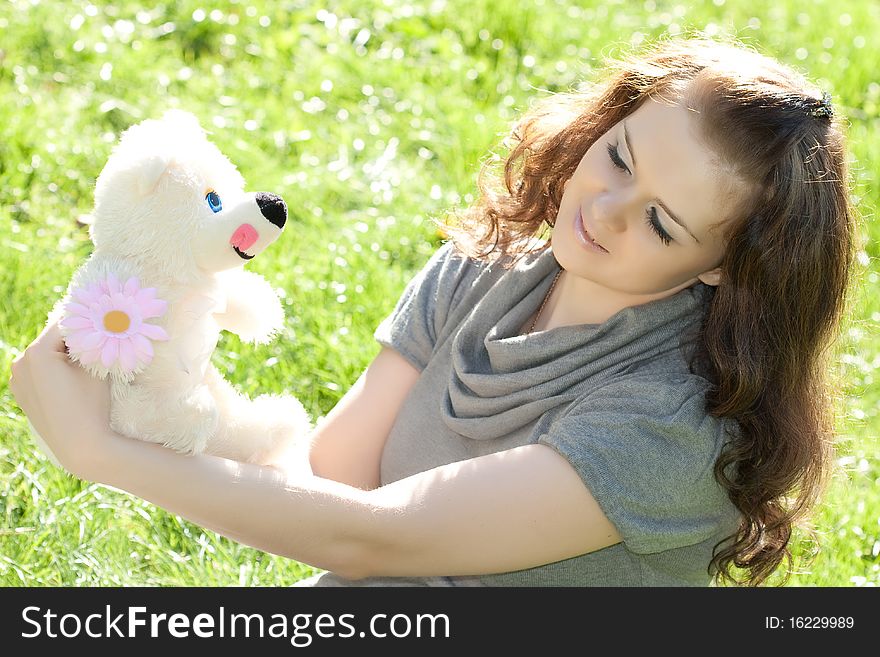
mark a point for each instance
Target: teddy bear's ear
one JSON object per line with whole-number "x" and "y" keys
{"x": 182, "y": 120}
{"x": 148, "y": 171}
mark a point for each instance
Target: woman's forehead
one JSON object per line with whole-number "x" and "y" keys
{"x": 675, "y": 162}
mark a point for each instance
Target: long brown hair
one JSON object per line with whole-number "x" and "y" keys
{"x": 764, "y": 342}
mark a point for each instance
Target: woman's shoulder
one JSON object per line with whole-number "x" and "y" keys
{"x": 448, "y": 267}
{"x": 451, "y": 274}
{"x": 668, "y": 400}
{"x": 646, "y": 447}
{"x": 435, "y": 299}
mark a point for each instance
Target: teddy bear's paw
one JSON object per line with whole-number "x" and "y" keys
{"x": 284, "y": 422}
{"x": 253, "y": 309}
{"x": 193, "y": 432}
{"x": 264, "y": 327}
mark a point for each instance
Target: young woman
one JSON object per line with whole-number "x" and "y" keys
{"x": 637, "y": 401}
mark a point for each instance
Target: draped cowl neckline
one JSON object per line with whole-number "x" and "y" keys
{"x": 502, "y": 380}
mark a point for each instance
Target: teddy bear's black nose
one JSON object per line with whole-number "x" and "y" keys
{"x": 273, "y": 208}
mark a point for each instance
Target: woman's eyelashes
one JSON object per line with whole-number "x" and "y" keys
{"x": 616, "y": 160}
{"x": 652, "y": 218}
{"x": 657, "y": 227}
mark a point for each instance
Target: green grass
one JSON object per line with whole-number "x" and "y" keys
{"x": 369, "y": 117}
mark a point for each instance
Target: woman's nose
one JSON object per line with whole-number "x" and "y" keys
{"x": 610, "y": 210}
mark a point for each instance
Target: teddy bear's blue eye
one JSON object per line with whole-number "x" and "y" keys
{"x": 213, "y": 199}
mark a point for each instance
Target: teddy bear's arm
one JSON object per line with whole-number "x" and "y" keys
{"x": 253, "y": 310}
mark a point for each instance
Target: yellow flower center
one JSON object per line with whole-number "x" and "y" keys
{"x": 116, "y": 321}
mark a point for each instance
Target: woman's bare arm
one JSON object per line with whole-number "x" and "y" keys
{"x": 505, "y": 511}
{"x": 347, "y": 445}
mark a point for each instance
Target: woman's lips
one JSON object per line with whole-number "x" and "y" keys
{"x": 584, "y": 237}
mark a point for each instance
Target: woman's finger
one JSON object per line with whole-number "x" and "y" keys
{"x": 49, "y": 340}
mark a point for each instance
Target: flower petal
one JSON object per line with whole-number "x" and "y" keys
{"x": 110, "y": 352}
{"x": 132, "y": 285}
{"x": 76, "y": 322}
{"x": 75, "y": 340}
{"x": 93, "y": 293}
{"x": 153, "y": 332}
{"x": 79, "y": 295}
{"x": 72, "y": 307}
{"x": 143, "y": 347}
{"x": 92, "y": 340}
{"x": 127, "y": 356}
{"x": 89, "y": 357}
{"x": 113, "y": 284}
{"x": 153, "y": 308}
{"x": 97, "y": 317}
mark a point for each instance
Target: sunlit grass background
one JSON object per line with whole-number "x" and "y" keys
{"x": 369, "y": 117}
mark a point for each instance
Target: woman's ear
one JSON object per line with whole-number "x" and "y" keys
{"x": 712, "y": 277}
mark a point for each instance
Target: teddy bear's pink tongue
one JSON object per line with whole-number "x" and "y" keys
{"x": 244, "y": 237}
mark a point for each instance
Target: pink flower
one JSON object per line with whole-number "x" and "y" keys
{"x": 106, "y": 321}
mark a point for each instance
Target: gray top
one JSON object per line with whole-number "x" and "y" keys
{"x": 616, "y": 399}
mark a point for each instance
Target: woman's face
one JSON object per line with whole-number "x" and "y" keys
{"x": 648, "y": 192}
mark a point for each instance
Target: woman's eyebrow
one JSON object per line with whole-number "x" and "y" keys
{"x": 674, "y": 217}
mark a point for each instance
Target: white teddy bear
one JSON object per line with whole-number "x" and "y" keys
{"x": 172, "y": 229}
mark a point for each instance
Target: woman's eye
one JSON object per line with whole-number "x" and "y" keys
{"x": 213, "y": 199}
{"x": 616, "y": 160}
{"x": 654, "y": 222}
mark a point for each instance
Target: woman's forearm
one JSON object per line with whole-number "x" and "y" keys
{"x": 284, "y": 510}
{"x": 463, "y": 518}
{"x": 313, "y": 520}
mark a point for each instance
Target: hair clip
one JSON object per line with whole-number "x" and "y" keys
{"x": 824, "y": 109}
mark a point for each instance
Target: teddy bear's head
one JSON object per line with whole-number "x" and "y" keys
{"x": 169, "y": 198}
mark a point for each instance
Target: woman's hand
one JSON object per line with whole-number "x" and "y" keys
{"x": 68, "y": 407}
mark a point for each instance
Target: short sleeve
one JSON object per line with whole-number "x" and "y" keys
{"x": 646, "y": 449}
{"x": 425, "y": 305}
